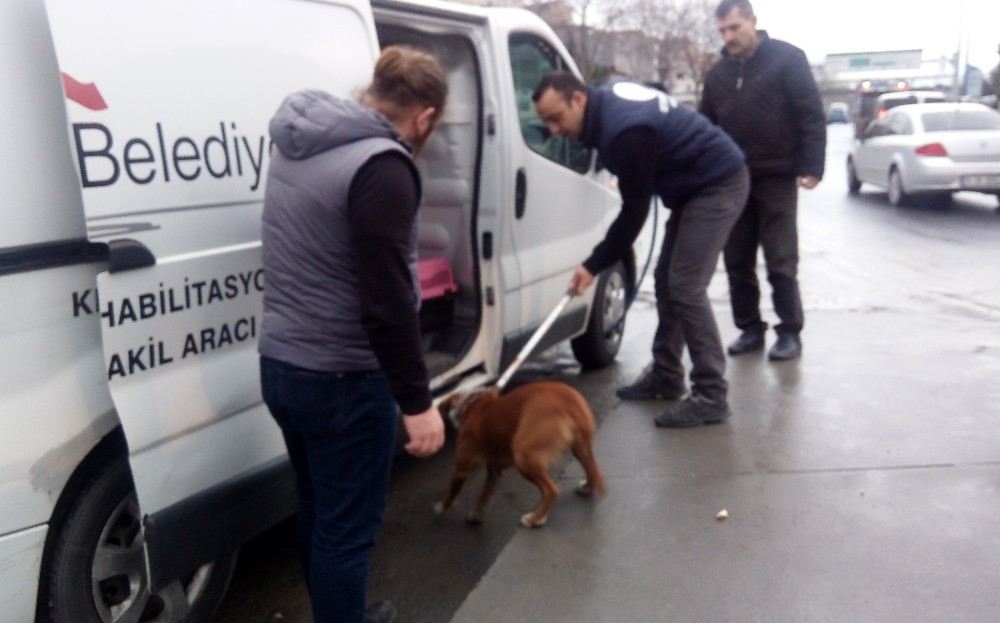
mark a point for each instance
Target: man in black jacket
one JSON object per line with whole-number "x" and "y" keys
{"x": 763, "y": 94}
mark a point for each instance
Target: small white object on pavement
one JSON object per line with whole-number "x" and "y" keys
{"x": 722, "y": 515}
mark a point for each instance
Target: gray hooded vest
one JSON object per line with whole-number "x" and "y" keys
{"x": 312, "y": 311}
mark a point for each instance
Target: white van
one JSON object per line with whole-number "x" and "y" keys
{"x": 136, "y": 453}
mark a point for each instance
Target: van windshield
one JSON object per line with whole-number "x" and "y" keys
{"x": 961, "y": 120}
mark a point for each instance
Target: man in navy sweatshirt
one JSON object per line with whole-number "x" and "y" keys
{"x": 655, "y": 146}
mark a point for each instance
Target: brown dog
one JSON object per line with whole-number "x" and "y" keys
{"x": 529, "y": 428}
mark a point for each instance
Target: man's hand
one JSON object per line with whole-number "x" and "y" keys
{"x": 581, "y": 280}
{"x": 426, "y": 432}
{"x": 808, "y": 182}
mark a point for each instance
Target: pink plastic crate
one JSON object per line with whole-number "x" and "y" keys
{"x": 436, "y": 278}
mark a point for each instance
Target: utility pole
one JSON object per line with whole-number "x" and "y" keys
{"x": 996, "y": 84}
{"x": 955, "y": 87}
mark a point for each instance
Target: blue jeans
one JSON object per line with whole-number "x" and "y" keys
{"x": 340, "y": 429}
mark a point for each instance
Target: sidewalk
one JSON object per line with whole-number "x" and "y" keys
{"x": 862, "y": 483}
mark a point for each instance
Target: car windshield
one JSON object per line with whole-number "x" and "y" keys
{"x": 960, "y": 120}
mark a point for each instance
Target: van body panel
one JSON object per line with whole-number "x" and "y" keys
{"x": 171, "y": 148}
{"x": 56, "y": 405}
{"x": 20, "y": 563}
{"x": 40, "y": 194}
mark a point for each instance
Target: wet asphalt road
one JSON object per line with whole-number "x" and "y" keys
{"x": 859, "y": 256}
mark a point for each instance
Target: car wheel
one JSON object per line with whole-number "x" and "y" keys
{"x": 96, "y": 571}
{"x": 897, "y": 194}
{"x": 599, "y": 345}
{"x": 853, "y": 183}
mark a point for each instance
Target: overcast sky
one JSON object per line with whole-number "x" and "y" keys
{"x": 828, "y": 27}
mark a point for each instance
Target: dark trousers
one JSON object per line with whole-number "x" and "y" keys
{"x": 695, "y": 235}
{"x": 769, "y": 221}
{"x": 340, "y": 432}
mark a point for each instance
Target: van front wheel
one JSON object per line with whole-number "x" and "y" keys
{"x": 96, "y": 571}
{"x": 599, "y": 345}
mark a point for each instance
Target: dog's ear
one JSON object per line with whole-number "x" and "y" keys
{"x": 449, "y": 406}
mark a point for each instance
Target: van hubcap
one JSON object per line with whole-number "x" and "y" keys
{"x": 119, "y": 580}
{"x": 614, "y": 309}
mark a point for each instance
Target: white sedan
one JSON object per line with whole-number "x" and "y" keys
{"x": 930, "y": 150}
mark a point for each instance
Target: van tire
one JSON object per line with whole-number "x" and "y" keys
{"x": 106, "y": 513}
{"x": 598, "y": 346}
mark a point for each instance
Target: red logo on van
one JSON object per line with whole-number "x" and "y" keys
{"x": 85, "y": 95}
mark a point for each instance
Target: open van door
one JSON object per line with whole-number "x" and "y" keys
{"x": 562, "y": 204}
{"x": 168, "y": 104}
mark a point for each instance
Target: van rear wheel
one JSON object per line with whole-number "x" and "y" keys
{"x": 96, "y": 571}
{"x": 599, "y": 345}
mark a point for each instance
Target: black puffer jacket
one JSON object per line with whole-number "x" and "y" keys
{"x": 771, "y": 107}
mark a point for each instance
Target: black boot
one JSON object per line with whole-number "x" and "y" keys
{"x": 694, "y": 411}
{"x": 749, "y": 341}
{"x": 381, "y": 612}
{"x": 650, "y": 387}
{"x": 788, "y": 346}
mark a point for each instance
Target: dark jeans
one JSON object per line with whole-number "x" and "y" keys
{"x": 769, "y": 221}
{"x": 695, "y": 235}
{"x": 340, "y": 430}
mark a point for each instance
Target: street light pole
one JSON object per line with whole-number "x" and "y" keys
{"x": 996, "y": 83}
{"x": 955, "y": 88}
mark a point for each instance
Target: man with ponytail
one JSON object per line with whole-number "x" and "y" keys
{"x": 340, "y": 343}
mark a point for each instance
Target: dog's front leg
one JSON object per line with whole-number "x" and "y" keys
{"x": 489, "y": 488}
{"x": 458, "y": 478}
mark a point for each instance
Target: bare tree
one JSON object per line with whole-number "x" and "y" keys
{"x": 585, "y": 27}
{"x": 686, "y": 29}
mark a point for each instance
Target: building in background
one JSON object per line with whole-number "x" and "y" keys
{"x": 849, "y": 77}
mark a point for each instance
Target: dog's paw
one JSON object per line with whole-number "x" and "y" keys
{"x": 583, "y": 490}
{"x": 474, "y": 519}
{"x": 439, "y": 508}
{"x": 528, "y": 521}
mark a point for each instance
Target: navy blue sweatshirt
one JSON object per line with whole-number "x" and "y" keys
{"x": 655, "y": 146}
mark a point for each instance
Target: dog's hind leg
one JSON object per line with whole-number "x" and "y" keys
{"x": 583, "y": 450}
{"x": 536, "y": 470}
{"x": 489, "y": 488}
{"x": 458, "y": 478}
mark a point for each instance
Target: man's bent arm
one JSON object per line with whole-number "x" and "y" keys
{"x": 636, "y": 146}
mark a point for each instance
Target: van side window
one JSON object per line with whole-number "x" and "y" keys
{"x": 531, "y": 58}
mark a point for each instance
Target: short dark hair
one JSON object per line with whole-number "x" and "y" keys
{"x": 726, "y": 6}
{"x": 562, "y": 82}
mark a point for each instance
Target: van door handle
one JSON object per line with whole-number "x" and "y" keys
{"x": 520, "y": 193}
{"x": 128, "y": 254}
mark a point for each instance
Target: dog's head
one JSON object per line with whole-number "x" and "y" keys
{"x": 456, "y": 406}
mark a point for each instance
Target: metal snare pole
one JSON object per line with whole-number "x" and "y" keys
{"x": 535, "y": 339}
